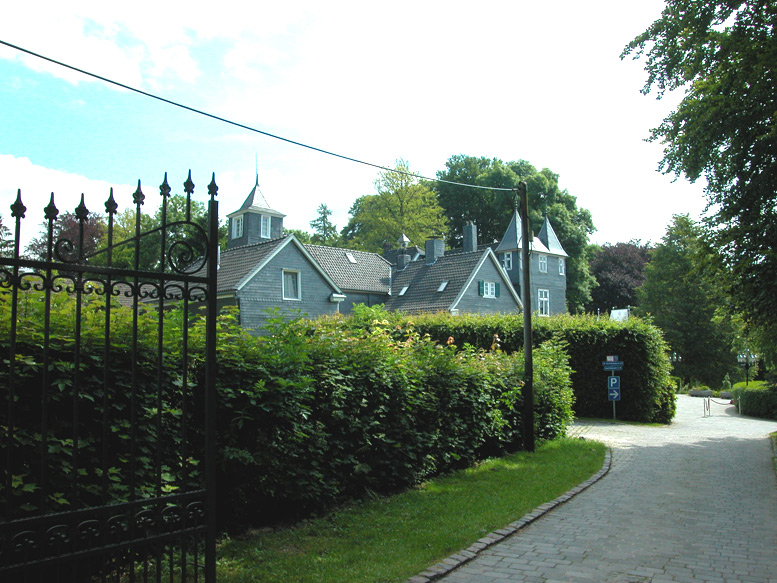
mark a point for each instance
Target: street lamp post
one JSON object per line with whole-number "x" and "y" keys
{"x": 676, "y": 359}
{"x": 746, "y": 359}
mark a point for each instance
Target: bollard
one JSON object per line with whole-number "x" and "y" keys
{"x": 706, "y": 402}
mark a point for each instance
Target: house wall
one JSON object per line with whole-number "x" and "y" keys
{"x": 368, "y": 299}
{"x": 472, "y": 302}
{"x": 553, "y": 282}
{"x": 265, "y": 291}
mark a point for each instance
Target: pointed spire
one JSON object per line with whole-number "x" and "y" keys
{"x": 548, "y": 237}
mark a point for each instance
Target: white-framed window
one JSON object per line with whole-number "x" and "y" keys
{"x": 291, "y": 285}
{"x": 264, "y": 231}
{"x": 543, "y": 302}
{"x": 237, "y": 227}
{"x": 488, "y": 289}
{"x": 562, "y": 266}
{"x": 543, "y": 263}
{"x": 507, "y": 261}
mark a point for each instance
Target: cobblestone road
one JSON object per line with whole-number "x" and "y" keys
{"x": 695, "y": 501}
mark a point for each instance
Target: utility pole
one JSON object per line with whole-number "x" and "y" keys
{"x": 528, "y": 377}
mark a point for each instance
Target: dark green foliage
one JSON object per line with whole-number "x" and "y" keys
{"x": 647, "y": 394}
{"x": 311, "y": 414}
{"x": 757, "y": 402}
{"x": 98, "y": 468}
{"x": 337, "y": 408}
{"x": 723, "y": 55}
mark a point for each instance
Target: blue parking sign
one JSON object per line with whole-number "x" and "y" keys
{"x": 613, "y": 388}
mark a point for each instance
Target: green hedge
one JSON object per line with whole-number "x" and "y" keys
{"x": 317, "y": 412}
{"x": 647, "y": 393}
{"x": 311, "y": 414}
{"x": 757, "y": 402}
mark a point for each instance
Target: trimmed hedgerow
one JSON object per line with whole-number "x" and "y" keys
{"x": 647, "y": 393}
{"x": 337, "y": 408}
{"x": 309, "y": 415}
{"x": 757, "y": 402}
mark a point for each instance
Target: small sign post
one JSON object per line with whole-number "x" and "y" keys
{"x": 612, "y": 364}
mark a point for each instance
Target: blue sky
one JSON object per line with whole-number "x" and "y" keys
{"x": 421, "y": 81}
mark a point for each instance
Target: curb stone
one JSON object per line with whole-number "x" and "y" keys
{"x": 464, "y": 556}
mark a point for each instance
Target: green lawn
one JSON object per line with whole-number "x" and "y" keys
{"x": 393, "y": 538}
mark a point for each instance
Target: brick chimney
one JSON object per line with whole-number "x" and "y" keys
{"x": 470, "y": 236}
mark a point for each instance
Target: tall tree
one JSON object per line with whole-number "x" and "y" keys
{"x": 402, "y": 205}
{"x": 324, "y": 232}
{"x": 491, "y": 211}
{"x": 66, "y": 233}
{"x": 683, "y": 295}
{"x": 619, "y": 270}
{"x": 724, "y": 55}
{"x": 6, "y": 240}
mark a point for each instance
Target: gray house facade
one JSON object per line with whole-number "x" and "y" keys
{"x": 464, "y": 282}
{"x": 547, "y": 264}
{"x": 277, "y": 276}
{"x": 264, "y": 272}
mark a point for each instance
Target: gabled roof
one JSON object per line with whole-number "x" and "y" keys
{"x": 422, "y": 282}
{"x": 354, "y": 270}
{"x": 256, "y": 202}
{"x": 239, "y": 265}
{"x": 548, "y": 237}
{"x": 512, "y": 238}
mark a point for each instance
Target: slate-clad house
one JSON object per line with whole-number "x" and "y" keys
{"x": 264, "y": 269}
{"x": 275, "y": 274}
{"x": 364, "y": 278}
{"x": 547, "y": 262}
{"x": 469, "y": 281}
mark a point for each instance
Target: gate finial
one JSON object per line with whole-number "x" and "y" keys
{"x": 17, "y": 208}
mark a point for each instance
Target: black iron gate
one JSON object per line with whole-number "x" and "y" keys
{"x": 107, "y": 378}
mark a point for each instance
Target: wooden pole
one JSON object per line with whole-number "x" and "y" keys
{"x": 528, "y": 387}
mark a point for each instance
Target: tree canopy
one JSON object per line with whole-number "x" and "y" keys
{"x": 491, "y": 211}
{"x": 724, "y": 55}
{"x": 683, "y": 294}
{"x": 402, "y": 205}
{"x": 619, "y": 270}
{"x": 324, "y": 232}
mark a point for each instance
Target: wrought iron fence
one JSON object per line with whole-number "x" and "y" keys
{"x": 107, "y": 378}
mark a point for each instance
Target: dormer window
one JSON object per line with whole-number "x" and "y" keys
{"x": 264, "y": 232}
{"x": 237, "y": 227}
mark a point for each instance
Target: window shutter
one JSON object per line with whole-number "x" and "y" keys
{"x": 496, "y": 290}
{"x": 481, "y": 287}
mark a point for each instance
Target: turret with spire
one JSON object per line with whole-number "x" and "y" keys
{"x": 254, "y": 221}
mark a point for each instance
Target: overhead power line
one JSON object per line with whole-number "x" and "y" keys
{"x": 241, "y": 125}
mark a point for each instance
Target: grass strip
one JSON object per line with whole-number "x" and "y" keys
{"x": 390, "y": 539}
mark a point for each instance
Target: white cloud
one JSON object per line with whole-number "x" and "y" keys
{"x": 421, "y": 81}
{"x": 36, "y": 185}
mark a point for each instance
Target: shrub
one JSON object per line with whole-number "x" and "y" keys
{"x": 337, "y": 408}
{"x": 647, "y": 390}
{"x": 757, "y": 401}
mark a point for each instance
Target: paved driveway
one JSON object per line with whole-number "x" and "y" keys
{"x": 693, "y": 501}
